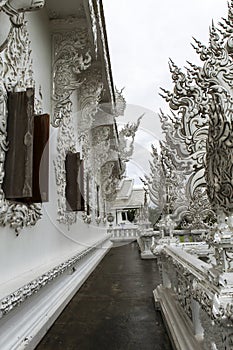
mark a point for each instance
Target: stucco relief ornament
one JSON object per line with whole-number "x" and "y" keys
{"x": 109, "y": 180}
{"x": 65, "y": 142}
{"x": 89, "y": 98}
{"x": 126, "y": 139}
{"x": 16, "y": 74}
{"x": 71, "y": 57}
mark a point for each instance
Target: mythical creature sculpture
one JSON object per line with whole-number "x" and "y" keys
{"x": 165, "y": 185}
{"x": 201, "y": 130}
{"x": 126, "y": 145}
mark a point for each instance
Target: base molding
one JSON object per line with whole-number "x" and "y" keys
{"x": 25, "y": 326}
{"x": 178, "y": 325}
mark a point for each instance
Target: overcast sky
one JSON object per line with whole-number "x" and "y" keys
{"x": 142, "y": 35}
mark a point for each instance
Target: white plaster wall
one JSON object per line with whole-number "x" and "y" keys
{"x": 48, "y": 243}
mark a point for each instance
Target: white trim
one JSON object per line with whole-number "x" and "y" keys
{"x": 25, "y": 326}
{"x": 178, "y": 325}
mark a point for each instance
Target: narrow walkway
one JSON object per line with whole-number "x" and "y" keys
{"x": 114, "y": 309}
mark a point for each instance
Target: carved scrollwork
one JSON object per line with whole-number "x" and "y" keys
{"x": 198, "y": 214}
{"x": 219, "y": 171}
{"x": 100, "y": 134}
{"x": 71, "y": 57}
{"x": 90, "y": 96}
{"x": 200, "y": 132}
{"x": 66, "y": 142}
{"x": 16, "y": 74}
{"x": 186, "y": 132}
{"x": 109, "y": 179}
{"x": 89, "y": 103}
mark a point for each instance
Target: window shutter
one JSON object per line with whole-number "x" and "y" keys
{"x": 74, "y": 182}
{"x": 19, "y": 157}
{"x": 27, "y": 159}
{"x": 40, "y": 179}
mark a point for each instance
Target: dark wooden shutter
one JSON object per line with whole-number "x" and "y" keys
{"x": 40, "y": 179}
{"x": 74, "y": 182}
{"x": 27, "y": 159}
{"x": 18, "y": 163}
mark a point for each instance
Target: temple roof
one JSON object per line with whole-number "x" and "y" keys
{"x": 127, "y": 196}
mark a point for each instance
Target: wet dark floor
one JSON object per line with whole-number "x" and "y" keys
{"x": 114, "y": 309}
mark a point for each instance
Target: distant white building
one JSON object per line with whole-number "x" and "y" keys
{"x": 128, "y": 204}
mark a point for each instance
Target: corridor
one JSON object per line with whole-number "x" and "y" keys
{"x": 114, "y": 309}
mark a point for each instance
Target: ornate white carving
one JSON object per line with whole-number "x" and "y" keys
{"x": 186, "y": 131}
{"x": 155, "y": 182}
{"x": 94, "y": 25}
{"x": 203, "y": 99}
{"x": 16, "y": 75}
{"x": 71, "y": 56}
{"x": 109, "y": 179}
{"x": 128, "y": 131}
{"x": 66, "y": 142}
{"x": 120, "y": 104}
{"x": 89, "y": 98}
{"x": 90, "y": 95}
{"x": 190, "y": 278}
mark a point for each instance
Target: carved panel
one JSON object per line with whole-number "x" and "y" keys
{"x": 15, "y": 75}
{"x": 66, "y": 142}
{"x": 71, "y": 56}
{"x": 109, "y": 179}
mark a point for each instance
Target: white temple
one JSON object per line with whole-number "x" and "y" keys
{"x": 62, "y": 160}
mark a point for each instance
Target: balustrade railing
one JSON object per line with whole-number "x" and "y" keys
{"x": 195, "y": 297}
{"x": 126, "y": 233}
{"x": 148, "y": 238}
